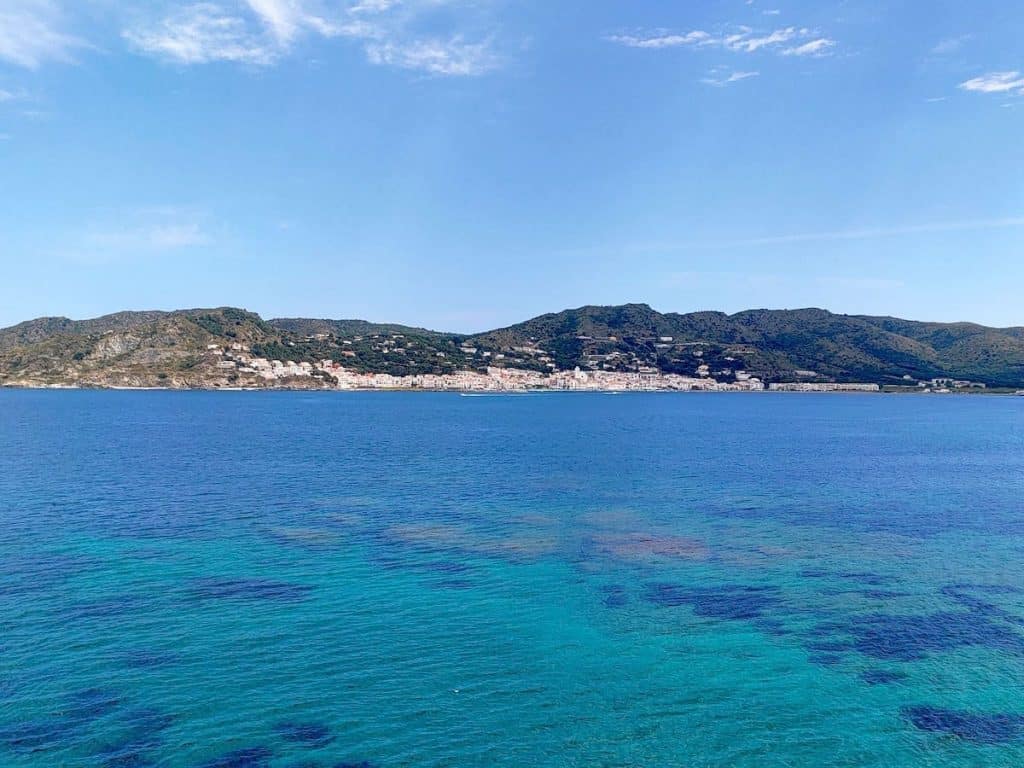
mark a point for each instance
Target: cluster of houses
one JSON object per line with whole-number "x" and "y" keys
{"x": 517, "y": 379}
{"x": 805, "y": 386}
{"x": 237, "y": 359}
{"x": 944, "y": 385}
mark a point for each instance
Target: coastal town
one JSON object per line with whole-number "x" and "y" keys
{"x": 232, "y": 349}
{"x": 243, "y": 366}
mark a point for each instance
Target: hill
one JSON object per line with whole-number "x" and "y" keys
{"x": 776, "y": 345}
{"x": 346, "y": 328}
{"x": 187, "y": 348}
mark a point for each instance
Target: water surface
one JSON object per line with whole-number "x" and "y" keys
{"x": 325, "y": 579}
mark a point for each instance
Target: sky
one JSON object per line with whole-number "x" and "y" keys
{"x": 467, "y": 164}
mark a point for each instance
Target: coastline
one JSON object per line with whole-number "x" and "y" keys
{"x": 500, "y": 393}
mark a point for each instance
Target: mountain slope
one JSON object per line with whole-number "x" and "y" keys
{"x": 129, "y": 348}
{"x": 805, "y": 344}
{"x": 186, "y": 348}
{"x": 346, "y": 328}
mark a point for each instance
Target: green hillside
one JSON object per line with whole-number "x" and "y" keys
{"x": 184, "y": 348}
{"x": 774, "y": 344}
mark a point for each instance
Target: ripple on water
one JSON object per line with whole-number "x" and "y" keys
{"x": 643, "y": 546}
{"x": 108, "y": 607}
{"x": 40, "y": 571}
{"x": 969, "y": 596}
{"x": 312, "y": 735}
{"x": 456, "y": 584}
{"x": 910, "y": 638}
{"x": 144, "y": 658}
{"x": 252, "y": 757}
{"x": 437, "y": 536}
{"x": 307, "y": 538}
{"x": 217, "y": 588}
{"x": 91, "y": 704}
{"x": 737, "y": 602}
{"x": 143, "y": 732}
{"x": 970, "y": 726}
{"x": 79, "y": 710}
{"x": 882, "y": 676}
{"x": 829, "y": 646}
{"x": 825, "y": 659}
{"x": 614, "y": 596}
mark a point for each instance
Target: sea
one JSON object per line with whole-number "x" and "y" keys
{"x": 358, "y": 580}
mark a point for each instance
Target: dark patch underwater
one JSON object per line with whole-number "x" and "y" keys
{"x": 978, "y": 728}
{"x": 213, "y": 588}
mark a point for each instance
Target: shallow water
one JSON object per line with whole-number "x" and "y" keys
{"x": 297, "y": 579}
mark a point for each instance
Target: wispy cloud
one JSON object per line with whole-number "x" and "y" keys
{"x": 282, "y": 18}
{"x": 436, "y": 57}
{"x": 949, "y": 45}
{"x": 662, "y": 39}
{"x": 260, "y": 32}
{"x": 819, "y": 47}
{"x": 721, "y": 78}
{"x": 155, "y": 237}
{"x": 869, "y": 233}
{"x": 795, "y": 238}
{"x": 139, "y": 233}
{"x": 749, "y": 43}
{"x": 199, "y": 34}
{"x": 33, "y": 32}
{"x": 995, "y": 82}
{"x": 787, "y": 41}
{"x": 763, "y": 280}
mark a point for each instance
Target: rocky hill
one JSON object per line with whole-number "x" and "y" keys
{"x": 220, "y": 347}
{"x": 131, "y": 349}
{"x": 776, "y": 345}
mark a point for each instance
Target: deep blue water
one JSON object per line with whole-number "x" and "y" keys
{"x": 330, "y": 579}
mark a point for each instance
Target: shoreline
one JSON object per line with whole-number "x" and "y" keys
{"x": 501, "y": 393}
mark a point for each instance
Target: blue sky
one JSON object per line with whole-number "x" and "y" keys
{"x": 464, "y": 164}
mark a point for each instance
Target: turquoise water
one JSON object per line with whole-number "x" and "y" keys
{"x": 294, "y": 579}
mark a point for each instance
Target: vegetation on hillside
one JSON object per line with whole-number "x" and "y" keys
{"x": 181, "y": 348}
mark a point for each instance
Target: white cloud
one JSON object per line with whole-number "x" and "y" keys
{"x": 199, "y": 34}
{"x": 32, "y": 32}
{"x": 282, "y": 17}
{"x": 260, "y": 32}
{"x": 995, "y": 82}
{"x": 285, "y": 20}
{"x": 436, "y": 57}
{"x": 816, "y": 48}
{"x": 949, "y": 45}
{"x": 741, "y": 40}
{"x": 720, "y": 79}
{"x": 662, "y": 39}
{"x": 132, "y": 234}
{"x": 157, "y": 237}
{"x": 373, "y": 6}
